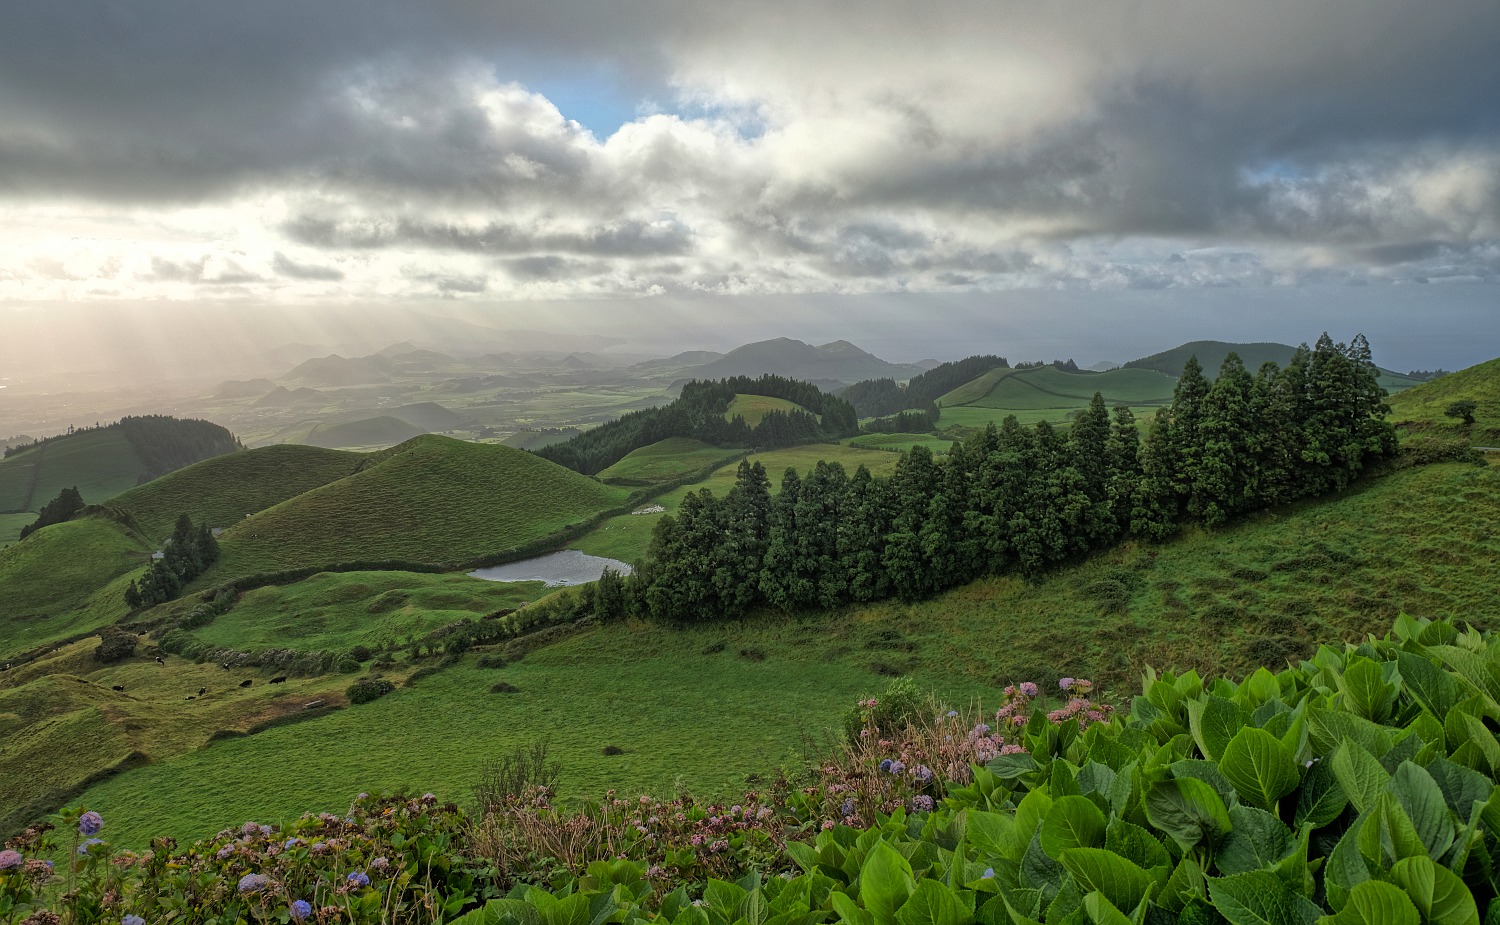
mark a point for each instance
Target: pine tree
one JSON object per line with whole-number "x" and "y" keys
{"x": 1225, "y": 480}
{"x": 132, "y": 596}
{"x": 863, "y": 522}
{"x": 1123, "y": 464}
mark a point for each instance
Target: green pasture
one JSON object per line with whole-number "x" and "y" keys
{"x": 100, "y": 463}
{"x": 1427, "y": 403}
{"x": 223, "y": 490}
{"x": 11, "y": 524}
{"x": 975, "y": 389}
{"x": 367, "y": 434}
{"x": 754, "y": 408}
{"x": 665, "y": 460}
{"x": 900, "y": 443}
{"x": 1049, "y": 387}
{"x": 433, "y": 500}
{"x": 53, "y": 580}
{"x": 339, "y": 610}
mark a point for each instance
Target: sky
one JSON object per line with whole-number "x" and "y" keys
{"x": 881, "y": 161}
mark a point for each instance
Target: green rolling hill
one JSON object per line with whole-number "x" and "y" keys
{"x": 1049, "y": 387}
{"x": 101, "y": 463}
{"x": 1426, "y": 403}
{"x": 430, "y": 500}
{"x": 665, "y": 460}
{"x": 370, "y": 432}
{"x": 754, "y": 408}
{"x": 1211, "y": 354}
{"x": 225, "y": 489}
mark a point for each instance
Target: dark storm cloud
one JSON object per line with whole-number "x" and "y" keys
{"x": 622, "y": 239}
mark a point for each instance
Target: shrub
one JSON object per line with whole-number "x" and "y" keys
{"x": 491, "y": 661}
{"x": 524, "y": 770}
{"x": 360, "y": 653}
{"x": 895, "y": 707}
{"x": 504, "y": 687}
{"x": 348, "y": 665}
{"x": 368, "y": 689}
{"x": 115, "y": 644}
{"x": 613, "y": 750}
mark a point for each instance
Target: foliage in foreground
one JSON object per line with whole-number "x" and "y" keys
{"x": 1357, "y": 787}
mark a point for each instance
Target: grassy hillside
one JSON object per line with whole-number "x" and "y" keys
{"x": 1426, "y": 403}
{"x": 224, "y": 489}
{"x": 665, "y": 460}
{"x": 11, "y": 524}
{"x": 344, "y": 609}
{"x": 432, "y": 499}
{"x": 1049, "y": 387}
{"x": 50, "y": 581}
{"x": 975, "y": 389}
{"x": 101, "y": 463}
{"x": 900, "y": 443}
{"x": 1211, "y": 354}
{"x": 367, "y": 433}
{"x": 1258, "y": 593}
{"x": 754, "y": 407}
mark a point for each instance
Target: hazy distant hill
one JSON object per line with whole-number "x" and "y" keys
{"x": 428, "y": 415}
{"x": 840, "y": 360}
{"x": 336, "y": 370}
{"x": 669, "y": 365}
{"x": 242, "y": 388}
{"x": 283, "y": 397}
{"x": 369, "y": 432}
{"x": 1211, "y": 354}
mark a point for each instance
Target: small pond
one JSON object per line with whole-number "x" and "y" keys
{"x": 568, "y": 567}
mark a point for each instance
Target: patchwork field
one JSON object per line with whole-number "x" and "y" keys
{"x": 101, "y": 464}
{"x": 900, "y": 443}
{"x": 666, "y": 460}
{"x": 753, "y": 408}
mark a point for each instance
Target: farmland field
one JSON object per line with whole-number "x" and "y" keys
{"x": 665, "y": 460}
{"x": 900, "y": 443}
{"x": 100, "y": 463}
{"x": 11, "y": 524}
{"x": 753, "y": 408}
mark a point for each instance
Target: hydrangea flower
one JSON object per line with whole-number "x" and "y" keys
{"x": 84, "y": 848}
{"x": 10, "y": 859}
{"x": 897, "y": 767}
{"x": 291, "y": 843}
{"x": 379, "y": 863}
{"x": 923, "y": 773}
{"x": 132, "y": 919}
{"x": 885, "y": 764}
{"x": 225, "y": 852}
{"x": 951, "y": 713}
{"x": 250, "y": 828}
{"x": 90, "y": 823}
{"x": 358, "y": 878}
{"x": 922, "y": 803}
{"x": 251, "y": 883}
{"x": 1028, "y": 688}
{"x": 300, "y": 909}
{"x": 1066, "y": 683}
{"x": 989, "y": 874}
{"x": 848, "y": 806}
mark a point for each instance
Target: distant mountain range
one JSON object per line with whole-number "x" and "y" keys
{"x": 839, "y": 361}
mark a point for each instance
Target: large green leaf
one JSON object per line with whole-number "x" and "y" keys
{"x": 933, "y": 904}
{"x": 1327, "y": 728}
{"x": 1367, "y": 692}
{"x": 1257, "y": 842}
{"x": 1135, "y": 844}
{"x": 1346, "y": 867}
{"x": 1375, "y": 903}
{"x": 1432, "y": 687}
{"x": 1072, "y": 822}
{"x": 1462, "y": 788}
{"x": 1388, "y": 834}
{"x": 885, "y": 882}
{"x": 1213, "y": 722}
{"x": 1103, "y": 912}
{"x": 1186, "y": 883}
{"x": 1439, "y": 894}
{"x": 1260, "y": 898}
{"x": 1320, "y": 799}
{"x": 1359, "y": 774}
{"x": 1122, "y": 882}
{"x": 1423, "y": 801}
{"x": 993, "y": 834}
{"x": 1188, "y": 811}
{"x": 1261, "y": 769}
{"x": 848, "y": 910}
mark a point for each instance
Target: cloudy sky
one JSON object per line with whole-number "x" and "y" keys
{"x": 496, "y": 151}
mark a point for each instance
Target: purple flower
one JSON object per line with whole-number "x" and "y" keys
{"x": 885, "y": 764}
{"x": 923, "y": 773}
{"x": 1066, "y": 683}
{"x": 379, "y": 863}
{"x": 983, "y": 729}
{"x": 292, "y": 843}
{"x": 952, "y": 713}
{"x": 897, "y": 767}
{"x": 251, "y": 883}
{"x": 1028, "y": 688}
{"x": 358, "y": 878}
{"x": 300, "y": 909}
{"x": 9, "y": 859}
{"x": 90, "y": 823}
{"x": 250, "y": 828}
{"x": 848, "y": 808}
{"x": 922, "y": 803}
{"x": 84, "y": 848}
{"x": 226, "y": 852}
{"x": 132, "y": 919}
{"x": 989, "y": 874}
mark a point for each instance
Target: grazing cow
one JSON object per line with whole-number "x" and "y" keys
{"x": 160, "y": 660}
{"x": 118, "y": 687}
{"x": 224, "y": 665}
{"x": 245, "y": 683}
{"x": 191, "y": 697}
{"x": 202, "y": 691}
{"x": 280, "y": 680}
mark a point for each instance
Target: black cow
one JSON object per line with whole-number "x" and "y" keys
{"x": 160, "y": 660}
{"x": 280, "y": 680}
{"x": 202, "y": 691}
{"x": 118, "y": 687}
{"x": 245, "y": 683}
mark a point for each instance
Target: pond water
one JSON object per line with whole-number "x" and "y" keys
{"x": 568, "y": 567}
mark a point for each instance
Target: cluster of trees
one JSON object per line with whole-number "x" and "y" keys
{"x": 1017, "y": 499}
{"x": 1427, "y": 375}
{"x": 699, "y": 413}
{"x": 166, "y": 444}
{"x": 884, "y": 397}
{"x": 67, "y": 503}
{"x": 188, "y": 554}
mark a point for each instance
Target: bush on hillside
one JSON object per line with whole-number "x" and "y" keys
{"x": 368, "y": 689}
{"x": 114, "y": 645}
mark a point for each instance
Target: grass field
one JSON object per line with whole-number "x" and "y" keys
{"x": 52, "y": 578}
{"x": 224, "y": 489}
{"x": 367, "y": 434}
{"x": 753, "y": 408}
{"x": 345, "y": 609}
{"x": 11, "y": 524}
{"x": 665, "y": 460}
{"x": 431, "y": 500}
{"x": 971, "y": 416}
{"x": 1427, "y": 402}
{"x": 900, "y": 443}
{"x": 627, "y": 536}
{"x": 1049, "y": 387}
{"x": 100, "y": 463}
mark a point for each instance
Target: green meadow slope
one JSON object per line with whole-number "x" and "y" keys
{"x": 431, "y": 500}
{"x": 754, "y": 408}
{"x": 665, "y": 460}
{"x": 1260, "y": 592}
{"x": 369, "y": 432}
{"x": 223, "y": 490}
{"x": 101, "y": 463}
{"x": 1426, "y": 403}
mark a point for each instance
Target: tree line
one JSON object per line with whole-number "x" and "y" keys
{"x": 884, "y": 397}
{"x": 59, "y": 510}
{"x": 166, "y": 444}
{"x": 1014, "y": 499}
{"x": 188, "y": 553}
{"x": 699, "y": 413}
